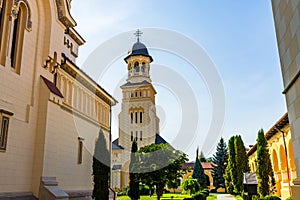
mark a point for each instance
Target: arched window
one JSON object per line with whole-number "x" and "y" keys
{"x": 143, "y": 67}
{"x": 3, "y": 31}
{"x": 141, "y": 117}
{"x": 19, "y": 24}
{"x": 136, "y": 67}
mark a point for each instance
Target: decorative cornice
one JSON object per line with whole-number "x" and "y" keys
{"x": 68, "y": 21}
{"x": 75, "y": 36}
{"x": 281, "y": 123}
{"x": 87, "y": 81}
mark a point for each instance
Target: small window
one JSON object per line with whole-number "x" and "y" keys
{"x": 141, "y": 117}
{"x": 143, "y": 67}
{"x": 131, "y": 117}
{"x": 17, "y": 38}
{"x": 136, "y": 117}
{"x": 5, "y": 116}
{"x": 141, "y": 135}
{"x": 80, "y": 150}
{"x": 136, "y": 135}
{"x": 131, "y": 136}
{"x": 136, "y": 67}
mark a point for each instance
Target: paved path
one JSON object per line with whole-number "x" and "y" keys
{"x": 225, "y": 197}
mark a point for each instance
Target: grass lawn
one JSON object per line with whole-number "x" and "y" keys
{"x": 238, "y": 197}
{"x": 166, "y": 196}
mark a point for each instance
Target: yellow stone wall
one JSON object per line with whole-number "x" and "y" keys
{"x": 281, "y": 168}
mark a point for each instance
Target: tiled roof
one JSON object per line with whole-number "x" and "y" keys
{"x": 52, "y": 87}
{"x": 115, "y": 144}
{"x": 205, "y": 165}
{"x": 117, "y": 167}
{"x": 159, "y": 139}
{"x": 134, "y": 84}
{"x": 282, "y": 122}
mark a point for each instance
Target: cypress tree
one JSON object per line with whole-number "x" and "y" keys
{"x": 198, "y": 173}
{"x": 231, "y": 166}
{"x": 265, "y": 173}
{"x": 220, "y": 160}
{"x": 242, "y": 164}
{"x": 202, "y": 157}
{"x": 101, "y": 169}
{"x": 133, "y": 192}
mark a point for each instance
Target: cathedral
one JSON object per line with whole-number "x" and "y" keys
{"x": 138, "y": 119}
{"x": 51, "y": 112}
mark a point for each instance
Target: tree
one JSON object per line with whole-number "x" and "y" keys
{"x": 159, "y": 164}
{"x": 202, "y": 157}
{"x": 101, "y": 168}
{"x": 173, "y": 184}
{"x": 220, "y": 160}
{"x": 241, "y": 163}
{"x": 228, "y": 182}
{"x": 191, "y": 184}
{"x": 231, "y": 174}
{"x": 198, "y": 174}
{"x": 133, "y": 192}
{"x": 265, "y": 173}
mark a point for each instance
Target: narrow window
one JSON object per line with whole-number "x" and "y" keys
{"x": 141, "y": 135}
{"x": 14, "y": 42}
{"x": 141, "y": 117}
{"x": 136, "y": 67}
{"x": 136, "y": 94}
{"x": 4, "y": 130}
{"x": 143, "y": 67}
{"x": 80, "y": 150}
{"x": 136, "y": 135}
{"x": 131, "y": 117}
{"x": 4, "y": 116}
{"x": 2, "y": 15}
{"x": 136, "y": 117}
{"x": 17, "y": 40}
{"x": 131, "y": 136}
{"x": 140, "y": 94}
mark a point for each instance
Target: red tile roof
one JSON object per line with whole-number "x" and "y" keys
{"x": 282, "y": 122}
{"x": 205, "y": 165}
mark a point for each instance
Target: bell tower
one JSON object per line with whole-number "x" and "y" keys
{"x": 137, "y": 119}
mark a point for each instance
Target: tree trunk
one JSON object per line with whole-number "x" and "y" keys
{"x": 159, "y": 191}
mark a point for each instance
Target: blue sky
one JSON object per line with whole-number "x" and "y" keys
{"x": 239, "y": 38}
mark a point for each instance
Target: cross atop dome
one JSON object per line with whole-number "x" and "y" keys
{"x": 138, "y": 33}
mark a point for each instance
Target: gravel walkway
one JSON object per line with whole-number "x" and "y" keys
{"x": 225, "y": 197}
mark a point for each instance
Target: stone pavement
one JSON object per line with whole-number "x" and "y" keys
{"x": 225, "y": 197}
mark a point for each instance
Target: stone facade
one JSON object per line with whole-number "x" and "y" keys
{"x": 50, "y": 111}
{"x": 287, "y": 23}
{"x": 283, "y": 165}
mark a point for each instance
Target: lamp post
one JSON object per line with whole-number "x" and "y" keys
{"x": 286, "y": 160}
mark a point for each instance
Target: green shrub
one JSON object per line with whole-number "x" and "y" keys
{"x": 201, "y": 195}
{"x": 144, "y": 190}
{"x": 289, "y": 198}
{"x": 188, "y": 199}
{"x": 271, "y": 197}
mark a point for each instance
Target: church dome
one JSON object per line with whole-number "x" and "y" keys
{"x": 137, "y": 49}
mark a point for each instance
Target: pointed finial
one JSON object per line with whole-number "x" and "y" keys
{"x": 197, "y": 153}
{"x": 138, "y": 33}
